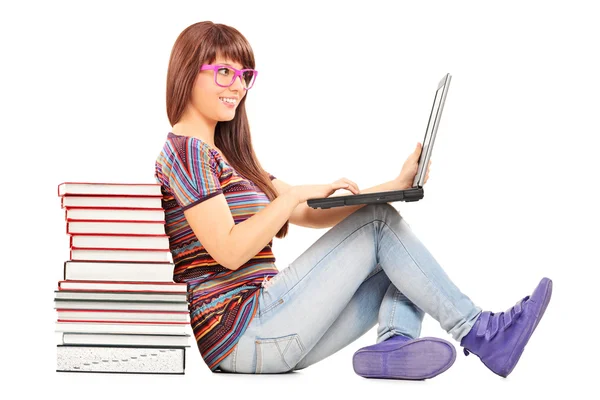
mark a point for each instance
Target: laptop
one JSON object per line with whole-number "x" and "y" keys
{"x": 413, "y": 193}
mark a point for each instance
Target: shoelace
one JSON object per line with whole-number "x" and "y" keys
{"x": 492, "y": 323}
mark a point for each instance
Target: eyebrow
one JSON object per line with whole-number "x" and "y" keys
{"x": 229, "y": 65}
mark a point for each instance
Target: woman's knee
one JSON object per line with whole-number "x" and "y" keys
{"x": 383, "y": 211}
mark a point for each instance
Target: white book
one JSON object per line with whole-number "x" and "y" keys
{"x": 111, "y": 201}
{"x": 79, "y": 254}
{"x": 157, "y": 214}
{"x": 117, "y": 271}
{"x": 146, "y": 360}
{"x": 123, "y": 339}
{"x": 124, "y": 286}
{"x": 115, "y": 227}
{"x": 137, "y": 328}
{"x": 119, "y": 296}
{"x": 120, "y": 305}
{"x": 119, "y": 241}
{"x": 95, "y": 188}
{"x": 124, "y": 315}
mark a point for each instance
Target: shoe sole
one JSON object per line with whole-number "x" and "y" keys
{"x": 419, "y": 359}
{"x": 543, "y": 297}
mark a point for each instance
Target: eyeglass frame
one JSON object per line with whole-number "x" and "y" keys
{"x": 238, "y": 72}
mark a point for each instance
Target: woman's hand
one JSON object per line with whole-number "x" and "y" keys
{"x": 305, "y": 192}
{"x": 409, "y": 169}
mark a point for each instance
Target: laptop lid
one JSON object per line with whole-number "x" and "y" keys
{"x": 431, "y": 131}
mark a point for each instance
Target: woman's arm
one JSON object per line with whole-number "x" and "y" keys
{"x": 303, "y": 215}
{"x": 232, "y": 245}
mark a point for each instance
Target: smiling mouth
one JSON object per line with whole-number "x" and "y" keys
{"x": 228, "y": 100}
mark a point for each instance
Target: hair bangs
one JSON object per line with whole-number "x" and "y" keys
{"x": 227, "y": 42}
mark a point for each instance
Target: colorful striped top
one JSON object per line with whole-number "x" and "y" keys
{"x": 222, "y": 302}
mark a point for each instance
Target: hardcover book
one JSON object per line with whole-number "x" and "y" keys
{"x": 94, "y": 188}
{"x": 115, "y": 214}
{"x": 118, "y": 271}
{"x": 106, "y": 201}
{"x": 147, "y": 360}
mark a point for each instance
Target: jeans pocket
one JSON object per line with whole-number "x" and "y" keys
{"x": 278, "y": 355}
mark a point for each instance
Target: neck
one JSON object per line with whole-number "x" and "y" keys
{"x": 194, "y": 124}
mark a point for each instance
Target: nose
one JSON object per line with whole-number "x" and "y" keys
{"x": 237, "y": 84}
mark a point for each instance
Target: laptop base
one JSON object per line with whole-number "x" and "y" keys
{"x": 407, "y": 195}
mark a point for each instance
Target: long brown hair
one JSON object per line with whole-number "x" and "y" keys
{"x": 199, "y": 44}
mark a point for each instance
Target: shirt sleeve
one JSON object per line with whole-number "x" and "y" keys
{"x": 194, "y": 177}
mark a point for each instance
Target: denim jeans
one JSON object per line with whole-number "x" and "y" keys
{"x": 369, "y": 268}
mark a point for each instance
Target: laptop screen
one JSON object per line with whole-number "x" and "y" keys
{"x": 430, "y": 132}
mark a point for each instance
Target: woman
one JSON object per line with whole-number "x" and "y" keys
{"x": 223, "y": 210}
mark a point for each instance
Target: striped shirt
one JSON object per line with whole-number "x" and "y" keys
{"x": 222, "y": 302}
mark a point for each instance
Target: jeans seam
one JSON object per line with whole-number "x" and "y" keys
{"x": 422, "y": 272}
{"x": 270, "y": 307}
{"x": 233, "y": 359}
{"x": 375, "y": 271}
{"x": 390, "y": 321}
{"x": 281, "y": 353}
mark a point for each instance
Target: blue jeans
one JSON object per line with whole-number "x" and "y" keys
{"x": 368, "y": 268}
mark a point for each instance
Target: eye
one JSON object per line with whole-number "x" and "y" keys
{"x": 224, "y": 71}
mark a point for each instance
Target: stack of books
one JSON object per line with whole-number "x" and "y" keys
{"x": 118, "y": 307}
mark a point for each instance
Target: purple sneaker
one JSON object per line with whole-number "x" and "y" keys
{"x": 499, "y": 339}
{"x": 401, "y": 357}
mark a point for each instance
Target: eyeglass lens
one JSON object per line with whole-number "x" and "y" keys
{"x": 226, "y": 75}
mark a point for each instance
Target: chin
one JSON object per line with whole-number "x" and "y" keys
{"x": 227, "y": 117}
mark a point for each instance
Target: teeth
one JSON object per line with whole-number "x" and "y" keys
{"x": 227, "y": 100}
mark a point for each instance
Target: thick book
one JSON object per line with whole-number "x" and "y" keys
{"x": 121, "y": 305}
{"x": 119, "y": 296}
{"x": 132, "y": 360}
{"x": 140, "y": 328}
{"x": 118, "y": 271}
{"x": 124, "y": 242}
{"x": 115, "y": 214}
{"x": 110, "y": 201}
{"x": 96, "y": 188}
{"x": 123, "y": 339}
{"x": 123, "y": 286}
{"x": 123, "y": 315}
{"x": 122, "y": 255}
{"x": 115, "y": 227}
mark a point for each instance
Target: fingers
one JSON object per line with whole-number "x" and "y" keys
{"x": 344, "y": 183}
{"x": 353, "y": 187}
{"x": 428, "y": 169}
{"x": 339, "y": 185}
{"x": 417, "y": 151}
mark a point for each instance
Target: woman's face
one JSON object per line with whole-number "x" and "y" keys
{"x": 208, "y": 97}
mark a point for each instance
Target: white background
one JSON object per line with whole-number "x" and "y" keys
{"x": 344, "y": 90}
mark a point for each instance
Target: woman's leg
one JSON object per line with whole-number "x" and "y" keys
{"x": 376, "y": 297}
{"x": 301, "y": 303}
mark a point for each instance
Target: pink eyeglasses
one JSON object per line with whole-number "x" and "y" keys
{"x": 226, "y": 75}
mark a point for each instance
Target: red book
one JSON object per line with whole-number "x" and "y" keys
{"x": 120, "y": 255}
{"x": 109, "y": 189}
{"x": 115, "y": 214}
{"x": 109, "y": 286}
{"x": 106, "y": 201}
{"x": 115, "y": 241}
{"x": 115, "y": 227}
